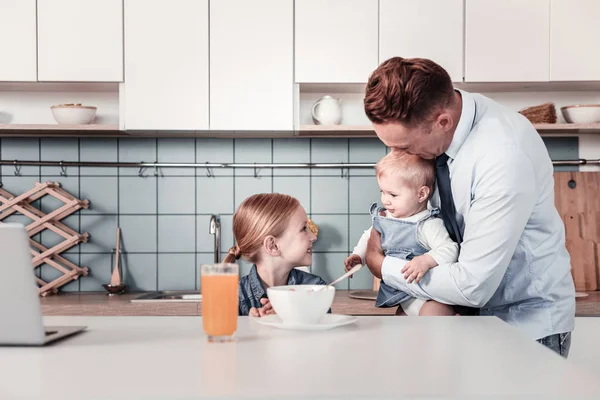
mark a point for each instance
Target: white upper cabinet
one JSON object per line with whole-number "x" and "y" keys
{"x": 166, "y": 64}
{"x": 574, "y": 40}
{"x": 336, "y": 40}
{"x": 80, "y": 40}
{"x": 251, "y": 65}
{"x": 17, "y": 40}
{"x": 507, "y": 41}
{"x": 425, "y": 29}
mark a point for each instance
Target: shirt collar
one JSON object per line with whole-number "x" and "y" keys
{"x": 465, "y": 123}
{"x": 256, "y": 284}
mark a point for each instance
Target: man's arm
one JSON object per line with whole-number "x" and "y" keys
{"x": 503, "y": 199}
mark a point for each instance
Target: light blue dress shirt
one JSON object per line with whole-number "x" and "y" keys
{"x": 513, "y": 261}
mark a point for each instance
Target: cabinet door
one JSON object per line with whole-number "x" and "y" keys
{"x": 80, "y": 40}
{"x": 251, "y": 65}
{"x": 166, "y": 69}
{"x": 335, "y": 40}
{"x": 574, "y": 40}
{"x": 425, "y": 29}
{"x": 507, "y": 41}
{"x": 17, "y": 35}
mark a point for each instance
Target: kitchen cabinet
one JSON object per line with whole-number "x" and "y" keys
{"x": 507, "y": 40}
{"x": 574, "y": 33}
{"x": 423, "y": 28}
{"x": 80, "y": 40}
{"x": 335, "y": 40}
{"x": 17, "y": 30}
{"x": 251, "y": 65}
{"x": 166, "y": 69}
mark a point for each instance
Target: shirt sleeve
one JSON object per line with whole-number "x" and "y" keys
{"x": 503, "y": 197}
{"x": 433, "y": 235}
{"x": 361, "y": 246}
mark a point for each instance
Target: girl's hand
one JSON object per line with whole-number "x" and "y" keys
{"x": 266, "y": 309}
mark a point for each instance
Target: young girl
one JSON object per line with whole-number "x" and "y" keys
{"x": 408, "y": 230}
{"x": 271, "y": 230}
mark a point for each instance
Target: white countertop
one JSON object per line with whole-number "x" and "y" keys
{"x": 378, "y": 357}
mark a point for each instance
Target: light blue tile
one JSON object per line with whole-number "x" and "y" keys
{"x": 69, "y": 184}
{"x": 100, "y": 269}
{"x": 329, "y": 195}
{"x": 330, "y": 266}
{"x": 177, "y": 151}
{"x": 358, "y": 224}
{"x": 247, "y": 186}
{"x": 17, "y": 185}
{"x": 365, "y": 151}
{"x": 364, "y": 191}
{"x": 298, "y": 187}
{"x": 59, "y": 149}
{"x": 563, "y": 148}
{"x": 176, "y": 233}
{"x": 103, "y": 233}
{"x": 103, "y": 150}
{"x": 215, "y": 195}
{"x": 206, "y": 241}
{"x": 202, "y": 258}
{"x": 177, "y": 272}
{"x": 333, "y": 232}
{"x": 50, "y": 238}
{"x": 245, "y": 266}
{"x": 214, "y": 151}
{"x": 140, "y": 272}
{"x": 49, "y": 274}
{"x": 137, "y": 150}
{"x": 176, "y": 195}
{"x": 102, "y": 193}
{"x": 328, "y": 151}
{"x": 252, "y": 151}
{"x": 362, "y": 280}
{"x": 22, "y": 150}
{"x": 137, "y": 195}
{"x": 291, "y": 151}
{"x": 138, "y": 233}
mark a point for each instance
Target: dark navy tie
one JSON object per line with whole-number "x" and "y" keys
{"x": 448, "y": 211}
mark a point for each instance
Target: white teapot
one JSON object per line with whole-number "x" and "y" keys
{"x": 327, "y": 111}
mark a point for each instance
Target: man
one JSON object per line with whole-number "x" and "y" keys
{"x": 496, "y": 194}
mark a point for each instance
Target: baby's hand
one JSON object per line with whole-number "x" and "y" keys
{"x": 417, "y": 267}
{"x": 266, "y": 309}
{"x": 351, "y": 261}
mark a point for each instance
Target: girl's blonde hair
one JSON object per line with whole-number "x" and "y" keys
{"x": 259, "y": 216}
{"x": 413, "y": 170}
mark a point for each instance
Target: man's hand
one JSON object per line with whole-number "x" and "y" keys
{"x": 417, "y": 267}
{"x": 374, "y": 256}
{"x": 266, "y": 309}
{"x": 351, "y": 261}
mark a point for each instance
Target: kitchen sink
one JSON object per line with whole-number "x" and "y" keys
{"x": 169, "y": 296}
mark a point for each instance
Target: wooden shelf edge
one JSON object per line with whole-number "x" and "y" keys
{"x": 58, "y": 127}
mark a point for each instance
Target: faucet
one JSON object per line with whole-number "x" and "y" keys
{"x": 215, "y": 229}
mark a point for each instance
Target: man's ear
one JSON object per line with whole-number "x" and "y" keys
{"x": 270, "y": 246}
{"x": 424, "y": 193}
{"x": 444, "y": 120}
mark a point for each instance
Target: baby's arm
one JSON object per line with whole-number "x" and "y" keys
{"x": 359, "y": 252}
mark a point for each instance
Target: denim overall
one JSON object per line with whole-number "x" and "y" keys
{"x": 398, "y": 239}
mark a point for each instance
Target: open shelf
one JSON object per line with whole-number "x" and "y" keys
{"x": 58, "y": 127}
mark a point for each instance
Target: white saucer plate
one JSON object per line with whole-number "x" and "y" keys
{"x": 329, "y": 321}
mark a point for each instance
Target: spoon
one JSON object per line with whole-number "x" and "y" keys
{"x": 353, "y": 270}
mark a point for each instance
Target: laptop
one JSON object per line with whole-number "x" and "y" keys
{"x": 20, "y": 310}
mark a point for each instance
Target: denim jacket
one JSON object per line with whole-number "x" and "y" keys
{"x": 251, "y": 289}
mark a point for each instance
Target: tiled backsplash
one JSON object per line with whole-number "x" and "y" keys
{"x": 165, "y": 219}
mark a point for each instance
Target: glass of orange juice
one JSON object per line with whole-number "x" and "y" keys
{"x": 219, "y": 283}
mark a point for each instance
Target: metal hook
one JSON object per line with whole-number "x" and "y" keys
{"x": 256, "y": 171}
{"x": 155, "y": 170}
{"x": 347, "y": 174}
{"x": 209, "y": 173}
{"x": 17, "y": 169}
{"x": 141, "y": 170}
{"x": 63, "y": 169}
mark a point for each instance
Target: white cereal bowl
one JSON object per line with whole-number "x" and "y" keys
{"x": 301, "y": 304}
{"x": 581, "y": 113}
{"x": 73, "y": 114}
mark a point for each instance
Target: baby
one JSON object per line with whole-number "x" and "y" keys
{"x": 409, "y": 230}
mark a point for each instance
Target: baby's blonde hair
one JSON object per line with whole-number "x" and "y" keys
{"x": 411, "y": 169}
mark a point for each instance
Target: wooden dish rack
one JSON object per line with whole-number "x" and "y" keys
{"x": 22, "y": 204}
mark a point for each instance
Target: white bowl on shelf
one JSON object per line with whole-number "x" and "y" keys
{"x": 581, "y": 113}
{"x": 301, "y": 304}
{"x": 73, "y": 114}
